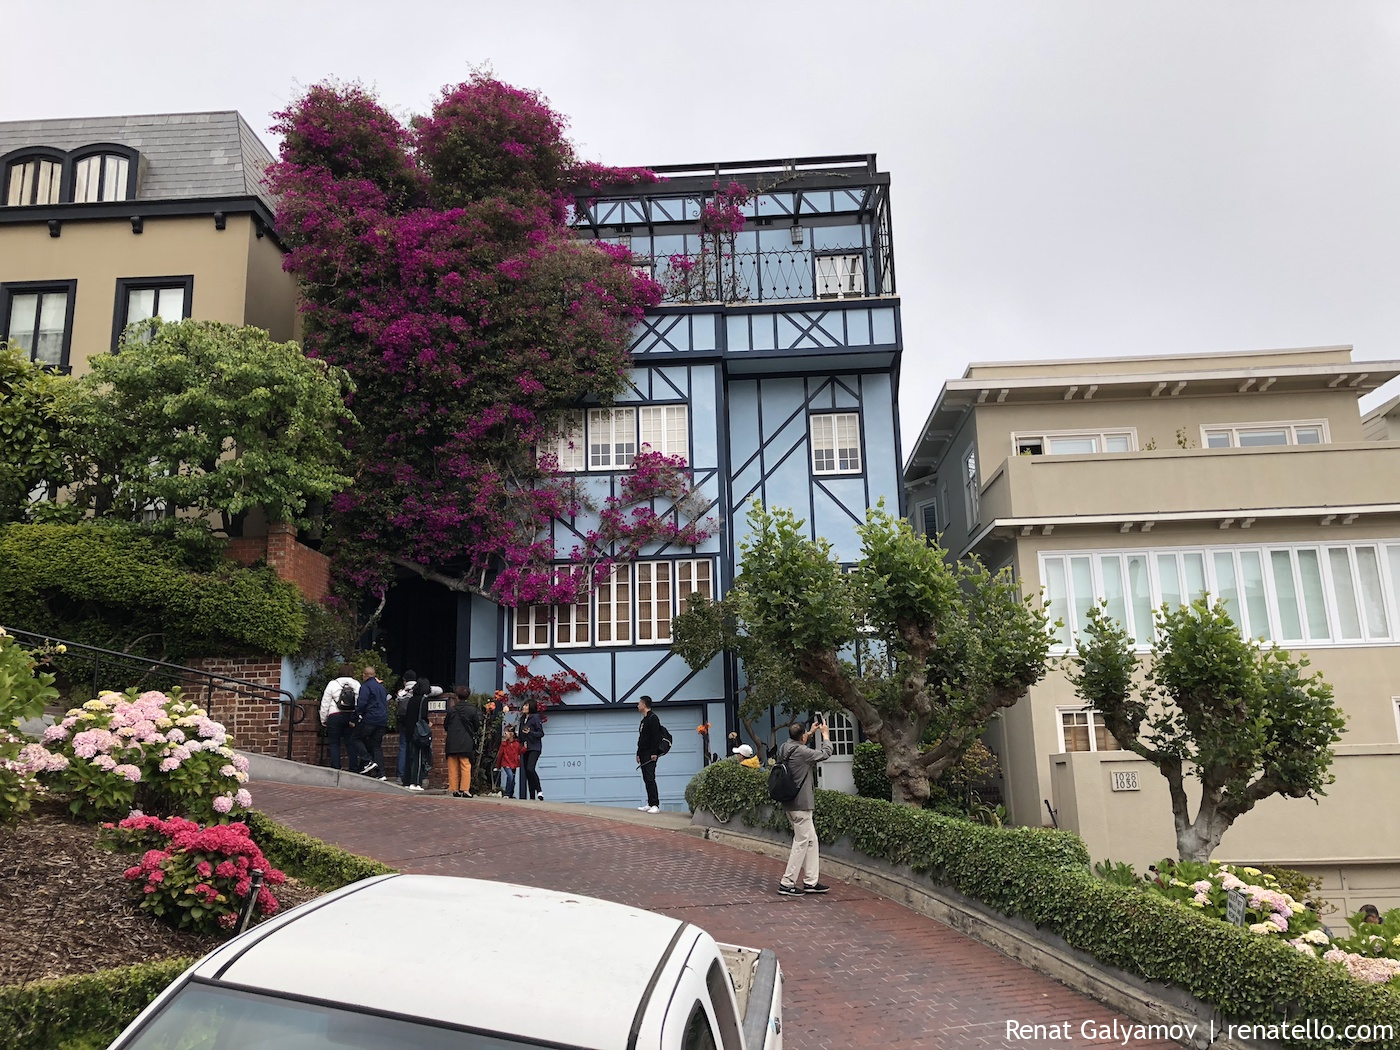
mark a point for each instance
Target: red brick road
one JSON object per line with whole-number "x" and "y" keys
{"x": 861, "y": 971}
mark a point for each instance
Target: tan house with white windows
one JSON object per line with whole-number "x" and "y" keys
{"x": 1138, "y": 481}
{"x": 109, "y": 220}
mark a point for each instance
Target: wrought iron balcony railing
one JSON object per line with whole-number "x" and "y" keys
{"x": 763, "y": 276}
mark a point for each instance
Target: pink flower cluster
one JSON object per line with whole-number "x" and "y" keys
{"x": 1372, "y": 971}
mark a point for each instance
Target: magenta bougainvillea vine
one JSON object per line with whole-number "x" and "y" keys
{"x": 438, "y": 268}
{"x": 713, "y": 273}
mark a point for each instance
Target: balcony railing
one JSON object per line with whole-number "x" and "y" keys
{"x": 763, "y": 276}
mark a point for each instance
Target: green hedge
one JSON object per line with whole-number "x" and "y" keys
{"x": 1043, "y": 876}
{"x": 89, "y": 1011}
{"x": 111, "y": 585}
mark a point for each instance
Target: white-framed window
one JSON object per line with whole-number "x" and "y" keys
{"x": 694, "y": 576}
{"x": 1082, "y": 729}
{"x": 653, "y": 602}
{"x": 532, "y": 627}
{"x": 843, "y": 733}
{"x": 1257, "y": 435}
{"x": 1309, "y": 595}
{"x": 835, "y": 443}
{"x": 1074, "y": 442}
{"x": 613, "y": 599}
{"x": 572, "y": 622}
{"x": 612, "y": 438}
{"x": 840, "y": 276}
{"x": 567, "y": 446}
{"x": 33, "y": 180}
{"x": 972, "y": 487}
{"x": 100, "y": 177}
{"x": 665, "y": 429}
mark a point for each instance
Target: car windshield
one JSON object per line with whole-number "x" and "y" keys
{"x": 207, "y": 1017}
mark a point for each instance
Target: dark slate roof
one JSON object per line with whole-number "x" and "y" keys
{"x": 187, "y": 155}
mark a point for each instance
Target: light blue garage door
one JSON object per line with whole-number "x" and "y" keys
{"x": 590, "y": 755}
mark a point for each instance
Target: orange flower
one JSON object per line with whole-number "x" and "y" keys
{"x": 703, "y": 728}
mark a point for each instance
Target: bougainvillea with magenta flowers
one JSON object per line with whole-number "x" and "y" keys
{"x": 437, "y": 267}
{"x": 194, "y": 877}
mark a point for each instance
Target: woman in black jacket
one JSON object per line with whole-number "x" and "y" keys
{"x": 532, "y": 737}
{"x": 463, "y": 728}
{"x": 420, "y": 755}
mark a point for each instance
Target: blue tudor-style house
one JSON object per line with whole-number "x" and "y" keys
{"x": 776, "y": 375}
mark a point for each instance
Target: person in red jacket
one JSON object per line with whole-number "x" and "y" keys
{"x": 508, "y": 760}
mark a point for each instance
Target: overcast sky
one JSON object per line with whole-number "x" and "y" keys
{"x": 1075, "y": 178}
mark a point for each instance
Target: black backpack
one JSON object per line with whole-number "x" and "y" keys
{"x": 348, "y": 698}
{"x": 663, "y": 746}
{"x": 782, "y": 785}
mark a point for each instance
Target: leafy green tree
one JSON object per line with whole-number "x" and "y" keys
{"x": 31, "y": 431}
{"x": 1244, "y": 721}
{"x": 907, "y": 642}
{"x": 211, "y": 418}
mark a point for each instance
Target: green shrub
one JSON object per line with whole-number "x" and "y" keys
{"x": 948, "y": 794}
{"x": 118, "y": 588}
{"x": 1042, "y": 876}
{"x": 70, "y": 1013}
{"x": 309, "y": 859}
{"x": 23, "y": 693}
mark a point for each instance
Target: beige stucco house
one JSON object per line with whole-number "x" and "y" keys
{"x": 1138, "y": 481}
{"x": 108, "y": 220}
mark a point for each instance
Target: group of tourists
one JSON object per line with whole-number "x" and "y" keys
{"x": 355, "y": 713}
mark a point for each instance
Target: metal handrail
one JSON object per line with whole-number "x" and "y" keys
{"x": 179, "y": 672}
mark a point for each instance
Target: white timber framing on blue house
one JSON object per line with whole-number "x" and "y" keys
{"x": 777, "y": 380}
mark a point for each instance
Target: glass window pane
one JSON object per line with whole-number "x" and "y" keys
{"x": 50, "y": 177}
{"x": 1111, "y": 569}
{"x": 24, "y": 312}
{"x": 53, "y": 317}
{"x": 1227, "y": 587}
{"x": 1076, "y": 730}
{"x": 170, "y": 304}
{"x": 1118, "y": 443}
{"x": 1071, "y": 446}
{"x": 1308, "y": 435}
{"x": 1314, "y": 595}
{"x": 1195, "y": 576}
{"x": 1057, "y": 595}
{"x": 85, "y": 179}
{"x": 1255, "y": 438}
{"x": 1217, "y": 439}
{"x": 1286, "y": 591}
{"x": 1348, "y": 619}
{"x": 114, "y": 183}
{"x": 1393, "y": 554}
{"x": 1081, "y": 577}
{"x": 140, "y": 304}
{"x": 1103, "y": 739}
{"x": 1368, "y": 571}
{"x": 1255, "y": 599}
{"x": 1169, "y": 578}
{"x": 1140, "y": 587}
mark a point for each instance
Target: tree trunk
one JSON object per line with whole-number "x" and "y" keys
{"x": 1196, "y": 840}
{"x": 909, "y": 784}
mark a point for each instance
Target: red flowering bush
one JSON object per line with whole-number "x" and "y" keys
{"x": 193, "y": 877}
{"x": 438, "y": 268}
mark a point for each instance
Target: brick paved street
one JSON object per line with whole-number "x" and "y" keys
{"x": 861, "y": 971}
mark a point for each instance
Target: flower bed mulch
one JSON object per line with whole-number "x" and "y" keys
{"x": 65, "y": 908}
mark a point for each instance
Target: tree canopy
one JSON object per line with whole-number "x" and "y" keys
{"x": 907, "y": 641}
{"x": 438, "y": 268}
{"x": 1243, "y": 720}
{"x": 31, "y": 432}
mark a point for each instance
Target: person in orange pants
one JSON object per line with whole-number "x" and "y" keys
{"x": 463, "y": 728}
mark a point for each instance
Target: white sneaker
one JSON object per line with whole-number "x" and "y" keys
{"x": 653, "y": 809}
{"x": 415, "y": 787}
{"x": 642, "y": 809}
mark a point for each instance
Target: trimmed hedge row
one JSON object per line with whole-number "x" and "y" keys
{"x": 1043, "y": 876}
{"x": 89, "y": 1011}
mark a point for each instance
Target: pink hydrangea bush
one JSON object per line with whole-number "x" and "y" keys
{"x": 161, "y": 752}
{"x": 1269, "y": 912}
{"x": 192, "y": 877}
{"x": 24, "y": 690}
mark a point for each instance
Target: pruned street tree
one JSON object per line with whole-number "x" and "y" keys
{"x": 907, "y": 641}
{"x": 32, "y": 425}
{"x": 1243, "y": 720}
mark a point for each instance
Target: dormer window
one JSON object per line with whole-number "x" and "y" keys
{"x": 33, "y": 180}
{"x": 100, "y": 177}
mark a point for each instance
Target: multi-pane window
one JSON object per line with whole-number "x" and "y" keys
{"x": 1298, "y": 594}
{"x": 1256, "y": 435}
{"x": 568, "y": 445}
{"x": 973, "y": 489}
{"x": 36, "y": 180}
{"x": 532, "y": 626}
{"x": 653, "y": 601}
{"x": 614, "y": 600}
{"x": 665, "y": 429}
{"x": 37, "y": 319}
{"x": 839, "y": 276}
{"x": 1082, "y": 729}
{"x": 843, "y": 733}
{"x": 694, "y": 577}
{"x": 571, "y": 621}
{"x": 612, "y": 438}
{"x": 100, "y": 177}
{"x": 836, "y": 443}
{"x": 1074, "y": 442}
{"x": 147, "y": 301}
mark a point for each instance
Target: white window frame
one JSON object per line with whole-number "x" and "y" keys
{"x": 972, "y": 487}
{"x": 1100, "y": 437}
{"x": 569, "y": 446}
{"x": 1094, "y": 716}
{"x": 573, "y": 618}
{"x": 824, "y": 435}
{"x": 1289, "y": 426}
{"x": 654, "y": 613}
{"x": 1271, "y": 603}
{"x": 840, "y": 275}
{"x": 664, "y": 429}
{"x": 618, "y": 577}
{"x": 1395, "y": 701}
{"x": 842, "y": 728}
{"x": 612, "y": 438}
{"x": 683, "y": 589}
{"x": 535, "y": 620}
